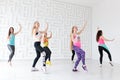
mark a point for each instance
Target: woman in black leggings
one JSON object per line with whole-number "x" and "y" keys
{"x": 102, "y": 46}
{"x": 37, "y": 35}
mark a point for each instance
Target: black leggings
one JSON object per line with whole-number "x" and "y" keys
{"x": 12, "y": 50}
{"x": 39, "y": 50}
{"x": 100, "y": 48}
{"x": 48, "y": 53}
{"x": 73, "y": 54}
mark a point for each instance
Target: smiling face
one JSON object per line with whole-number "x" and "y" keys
{"x": 11, "y": 30}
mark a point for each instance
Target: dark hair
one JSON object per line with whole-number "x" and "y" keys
{"x": 99, "y": 33}
{"x": 10, "y": 31}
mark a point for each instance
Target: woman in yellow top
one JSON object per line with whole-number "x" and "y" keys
{"x": 46, "y": 48}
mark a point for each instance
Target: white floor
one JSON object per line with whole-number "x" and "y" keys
{"x": 59, "y": 70}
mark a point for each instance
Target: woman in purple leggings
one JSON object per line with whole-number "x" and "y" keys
{"x": 77, "y": 47}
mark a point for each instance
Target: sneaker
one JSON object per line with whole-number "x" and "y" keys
{"x": 84, "y": 67}
{"x": 74, "y": 70}
{"x": 111, "y": 64}
{"x": 10, "y": 63}
{"x": 100, "y": 65}
{"x": 44, "y": 68}
{"x": 72, "y": 61}
{"x": 48, "y": 62}
{"x": 34, "y": 69}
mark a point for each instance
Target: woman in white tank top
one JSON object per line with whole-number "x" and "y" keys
{"x": 37, "y": 35}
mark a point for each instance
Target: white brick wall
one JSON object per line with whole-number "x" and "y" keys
{"x": 60, "y": 16}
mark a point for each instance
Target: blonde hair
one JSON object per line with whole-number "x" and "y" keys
{"x": 34, "y": 26}
{"x": 71, "y": 43}
{"x": 73, "y": 28}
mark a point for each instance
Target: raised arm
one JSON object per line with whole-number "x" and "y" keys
{"x": 45, "y": 29}
{"x": 107, "y": 39}
{"x": 82, "y": 28}
{"x": 50, "y": 35}
{"x": 19, "y": 29}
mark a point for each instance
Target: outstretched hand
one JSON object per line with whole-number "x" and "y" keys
{"x": 20, "y": 26}
{"x": 112, "y": 39}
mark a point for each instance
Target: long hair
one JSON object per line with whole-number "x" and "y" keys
{"x": 99, "y": 33}
{"x": 34, "y": 26}
{"x": 73, "y": 28}
{"x": 9, "y": 32}
{"x": 71, "y": 42}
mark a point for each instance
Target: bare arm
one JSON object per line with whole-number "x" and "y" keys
{"x": 19, "y": 30}
{"x": 8, "y": 37}
{"x": 82, "y": 28}
{"x": 50, "y": 35}
{"x": 45, "y": 29}
{"x": 107, "y": 39}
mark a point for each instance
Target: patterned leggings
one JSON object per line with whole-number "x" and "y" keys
{"x": 80, "y": 55}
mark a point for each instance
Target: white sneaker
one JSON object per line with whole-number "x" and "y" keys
{"x": 10, "y": 63}
{"x": 34, "y": 69}
{"x": 111, "y": 64}
{"x": 100, "y": 65}
{"x": 44, "y": 68}
{"x": 72, "y": 61}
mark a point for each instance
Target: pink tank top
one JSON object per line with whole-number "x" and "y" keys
{"x": 101, "y": 41}
{"x": 76, "y": 41}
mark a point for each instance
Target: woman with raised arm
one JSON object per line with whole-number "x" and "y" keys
{"x": 77, "y": 47}
{"x": 11, "y": 42}
{"x": 37, "y": 35}
{"x": 102, "y": 46}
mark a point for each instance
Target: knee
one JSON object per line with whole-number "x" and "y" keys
{"x": 79, "y": 58}
{"x": 12, "y": 53}
{"x": 101, "y": 56}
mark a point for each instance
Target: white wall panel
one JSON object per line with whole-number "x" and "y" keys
{"x": 60, "y": 16}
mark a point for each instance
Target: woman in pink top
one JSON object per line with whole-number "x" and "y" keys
{"x": 77, "y": 47}
{"x": 102, "y": 47}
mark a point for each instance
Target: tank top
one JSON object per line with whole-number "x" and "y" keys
{"x": 76, "y": 41}
{"x": 12, "y": 39}
{"x": 102, "y": 43}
